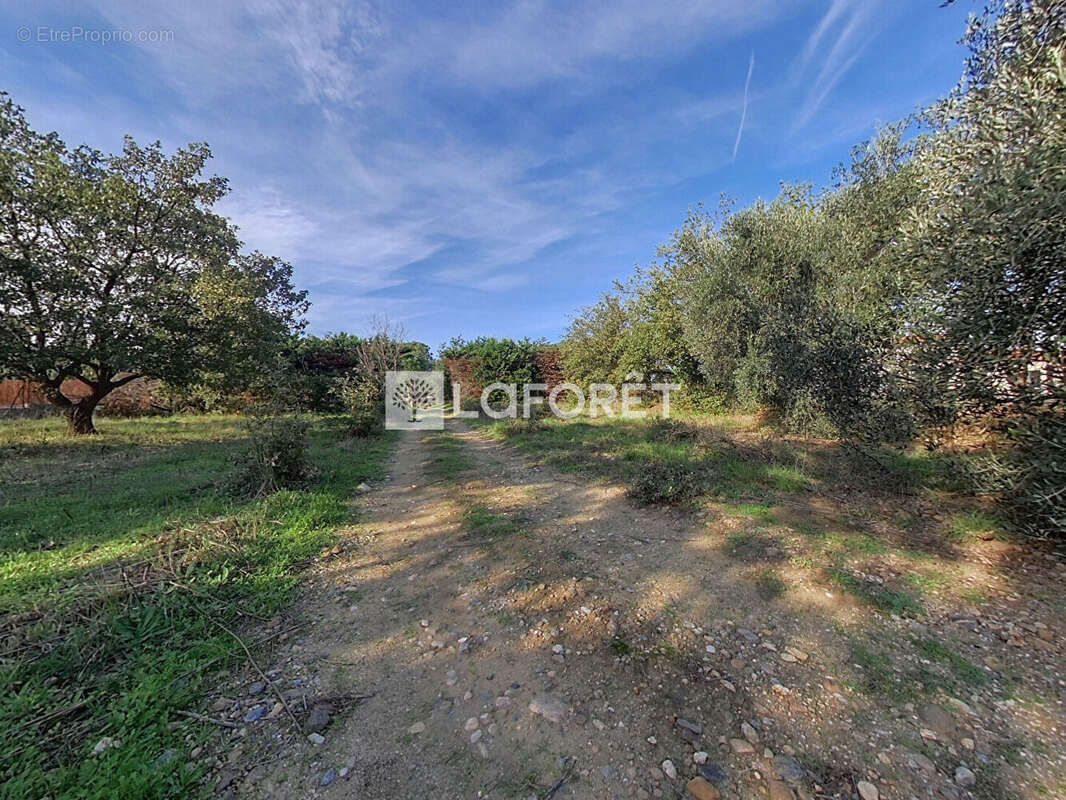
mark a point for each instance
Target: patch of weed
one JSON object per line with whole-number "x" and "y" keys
{"x": 970, "y": 525}
{"x": 447, "y": 456}
{"x": 481, "y": 521}
{"x": 963, "y": 669}
{"x": 124, "y": 655}
{"x": 769, "y": 584}
{"x": 752, "y": 546}
{"x": 883, "y": 598}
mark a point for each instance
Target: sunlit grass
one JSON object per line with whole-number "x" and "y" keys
{"x": 127, "y": 651}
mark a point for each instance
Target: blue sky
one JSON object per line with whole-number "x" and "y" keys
{"x": 480, "y": 168}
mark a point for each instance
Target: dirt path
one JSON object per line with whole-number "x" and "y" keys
{"x": 515, "y": 632}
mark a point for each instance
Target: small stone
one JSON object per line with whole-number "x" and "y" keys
{"x": 319, "y": 717}
{"x": 668, "y": 770}
{"x": 788, "y": 769}
{"x": 471, "y": 725}
{"x": 711, "y": 648}
{"x": 257, "y": 688}
{"x": 700, "y": 789}
{"x": 714, "y": 774}
{"x": 549, "y": 706}
{"x": 964, "y": 777}
{"x": 938, "y": 720}
{"x": 741, "y": 746}
{"x": 749, "y": 733}
{"x": 692, "y": 727}
{"x": 968, "y": 743}
{"x": 475, "y": 737}
{"x": 652, "y": 740}
{"x": 921, "y": 762}
{"x": 328, "y": 778}
{"x": 557, "y": 649}
{"x": 105, "y": 743}
{"x": 779, "y": 790}
{"x": 867, "y": 791}
{"x": 316, "y": 738}
{"x": 503, "y": 702}
{"x": 789, "y": 658}
{"x": 797, "y": 654}
{"x": 417, "y": 728}
{"x": 255, "y": 714}
{"x": 699, "y": 757}
{"x": 451, "y": 677}
{"x": 363, "y": 487}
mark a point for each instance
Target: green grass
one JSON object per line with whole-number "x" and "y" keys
{"x": 769, "y": 585}
{"x": 879, "y": 676}
{"x": 882, "y": 597}
{"x": 483, "y": 522}
{"x": 966, "y": 526}
{"x": 661, "y": 460}
{"x": 87, "y": 654}
{"x": 962, "y": 668}
{"x": 752, "y": 545}
{"x": 447, "y": 457}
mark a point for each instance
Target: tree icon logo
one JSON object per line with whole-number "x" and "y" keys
{"x": 414, "y": 400}
{"x": 414, "y": 395}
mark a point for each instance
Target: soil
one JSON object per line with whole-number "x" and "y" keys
{"x": 572, "y": 652}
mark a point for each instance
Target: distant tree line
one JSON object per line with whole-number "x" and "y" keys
{"x": 925, "y": 287}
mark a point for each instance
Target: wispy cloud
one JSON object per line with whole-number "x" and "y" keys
{"x": 744, "y": 105}
{"x": 403, "y": 155}
{"x": 851, "y": 22}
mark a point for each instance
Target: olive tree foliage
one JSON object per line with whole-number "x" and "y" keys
{"x": 990, "y": 228}
{"x": 990, "y": 236}
{"x": 791, "y": 305}
{"x": 635, "y": 328}
{"x": 115, "y": 266}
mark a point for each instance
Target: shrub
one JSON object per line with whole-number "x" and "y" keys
{"x": 366, "y": 420}
{"x": 364, "y": 403}
{"x": 276, "y": 457}
{"x": 664, "y": 483}
{"x": 504, "y": 360}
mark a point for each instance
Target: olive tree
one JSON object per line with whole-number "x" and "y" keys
{"x": 115, "y": 266}
{"x": 990, "y": 235}
{"x": 990, "y": 231}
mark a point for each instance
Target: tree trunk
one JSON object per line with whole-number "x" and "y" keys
{"x": 79, "y": 416}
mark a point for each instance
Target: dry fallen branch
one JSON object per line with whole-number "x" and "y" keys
{"x": 266, "y": 680}
{"x": 201, "y": 718}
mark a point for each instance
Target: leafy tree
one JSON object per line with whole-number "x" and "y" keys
{"x": 990, "y": 232}
{"x": 504, "y": 360}
{"x": 637, "y": 327}
{"x": 990, "y": 235}
{"x": 114, "y": 266}
{"x": 594, "y": 347}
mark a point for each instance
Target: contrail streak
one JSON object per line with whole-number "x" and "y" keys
{"x": 744, "y": 107}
